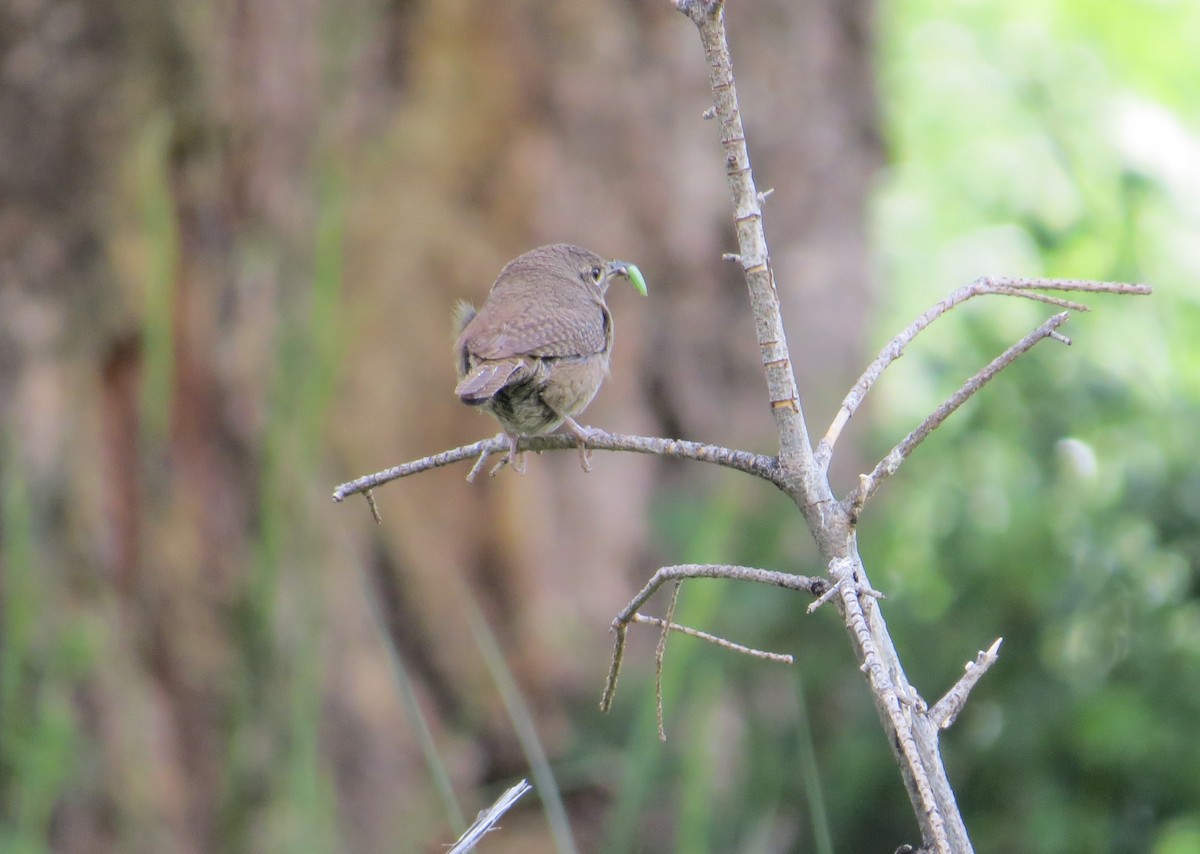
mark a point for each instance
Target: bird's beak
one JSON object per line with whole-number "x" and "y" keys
{"x": 630, "y": 272}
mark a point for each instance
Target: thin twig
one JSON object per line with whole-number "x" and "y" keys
{"x": 778, "y": 657}
{"x": 1019, "y": 287}
{"x": 475, "y": 469}
{"x": 370, "y": 496}
{"x": 487, "y": 818}
{"x": 660, "y": 653}
{"x": 888, "y": 465}
{"x": 758, "y": 465}
{"x": 945, "y": 710}
{"x": 1069, "y": 305}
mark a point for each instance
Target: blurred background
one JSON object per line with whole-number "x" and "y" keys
{"x": 231, "y": 234}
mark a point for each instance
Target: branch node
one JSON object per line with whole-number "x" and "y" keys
{"x": 479, "y": 463}
{"x": 762, "y": 196}
{"x": 859, "y": 498}
{"x": 887, "y": 466}
{"x": 709, "y": 114}
{"x": 834, "y": 590}
{"x": 731, "y": 256}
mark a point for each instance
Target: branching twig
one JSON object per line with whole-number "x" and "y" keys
{"x": 888, "y": 465}
{"x": 667, "y": 625}
{"x": 945, "y": 711}
{"x": 813, "y": 586}
{"x": 488, "y": 818}
{"x": 1018, "y": 287}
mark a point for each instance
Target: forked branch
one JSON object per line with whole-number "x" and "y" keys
{"x": 630, "y": 614}
{"x": 1017, "y": 287}
{"x": 886, "y": 467}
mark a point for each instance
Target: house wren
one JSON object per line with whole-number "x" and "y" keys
{"x": 535, "y": 353}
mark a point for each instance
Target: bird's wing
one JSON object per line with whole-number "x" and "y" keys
{"x": 547, "y": 325}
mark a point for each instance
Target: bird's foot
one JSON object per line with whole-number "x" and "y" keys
{"x": 511, "y": 458}
{"x": 582, "y": 435}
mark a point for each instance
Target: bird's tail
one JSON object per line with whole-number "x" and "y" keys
{"x": 464, "y": 313}
{"x": 482, "y": 383}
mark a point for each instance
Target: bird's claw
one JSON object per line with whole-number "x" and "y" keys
{"x": 514, "y": 459}
{"x": 581, "y": 434}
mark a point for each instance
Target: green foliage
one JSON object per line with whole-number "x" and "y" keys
{"x": 287, "y": 803}
{"x": 1058, "y": 508}
{"x": 40, "y": 660}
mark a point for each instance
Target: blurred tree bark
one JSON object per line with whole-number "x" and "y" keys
{"x": 461, "y": 135}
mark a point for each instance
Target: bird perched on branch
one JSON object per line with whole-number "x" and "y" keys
{"x": 536, "y": 351}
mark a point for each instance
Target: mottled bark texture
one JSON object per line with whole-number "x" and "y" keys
{"x": 169, "y": 178}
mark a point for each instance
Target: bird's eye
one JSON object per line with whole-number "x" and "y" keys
{"x": 595, "y": 274}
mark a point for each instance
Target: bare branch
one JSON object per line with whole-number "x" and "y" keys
{"x": 888, "y": 465}
{"x": 893, "y": 695}
{"x": 1026, "y": 283}
{"x": 795, "y": 450}
{"x": 813, "y": 586}
{"x": 802, "y": 474}
{"x": 758, "y": 465}
{"x": 1018, "y": 287}
{"x": 488, "y": 818}
{"x": 945, "y": 710}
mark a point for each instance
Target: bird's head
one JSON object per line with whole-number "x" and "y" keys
{"x": 596, "y": 272}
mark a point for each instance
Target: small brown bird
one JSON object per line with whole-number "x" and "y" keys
{"x": 535, "y": 353}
